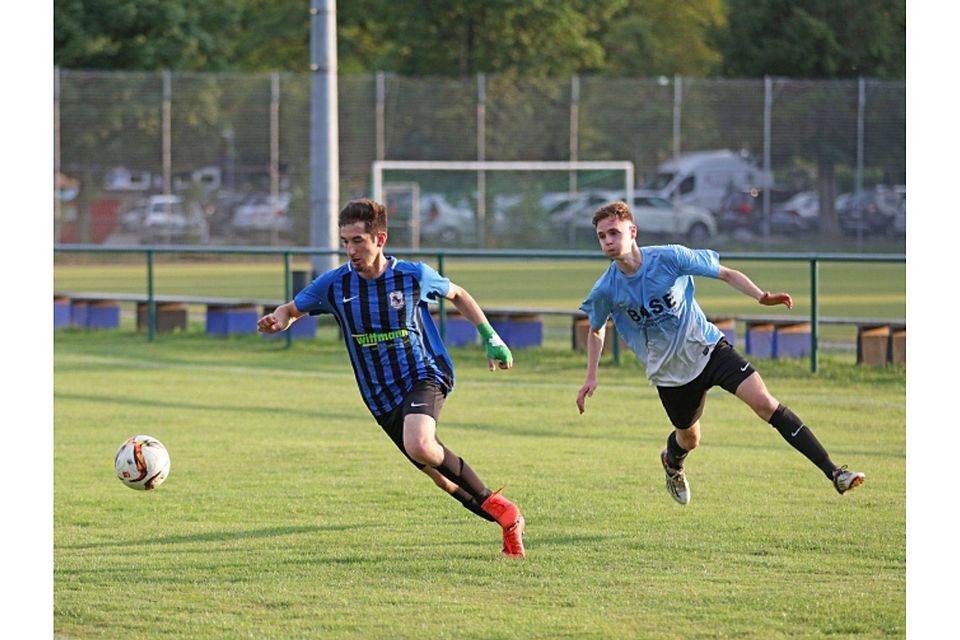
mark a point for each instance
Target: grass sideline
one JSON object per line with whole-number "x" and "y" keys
{"x": 288, "y": 513}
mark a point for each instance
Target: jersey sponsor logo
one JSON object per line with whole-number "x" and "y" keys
{"x": 373, "y": 339}
{"x": 351, "y": 298}
{"x": 396, "y": 299}
{"x": 656, "y": 307}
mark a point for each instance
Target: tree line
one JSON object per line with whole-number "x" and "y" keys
{"x": 826, "y": 39}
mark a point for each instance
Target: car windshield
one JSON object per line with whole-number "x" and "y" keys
{"x": 644, "y": 201}
{"x": 659, "y": 181}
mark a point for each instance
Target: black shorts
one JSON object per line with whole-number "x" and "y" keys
{"x": 726, "y": 368}
{"x": 426, "y": 397}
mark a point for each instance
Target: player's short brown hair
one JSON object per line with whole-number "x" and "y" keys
{"x": 372, "y": 214}
{"x": 618, "y": 209}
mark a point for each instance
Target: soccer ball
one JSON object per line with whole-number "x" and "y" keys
{"x": 142, "y": 463}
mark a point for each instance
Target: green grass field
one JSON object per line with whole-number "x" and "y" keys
{"x": 288, "y": 514}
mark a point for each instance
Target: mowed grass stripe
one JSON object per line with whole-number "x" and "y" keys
{"x": 289, "y": 514}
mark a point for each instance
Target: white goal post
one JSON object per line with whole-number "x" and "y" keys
{"x": 379, "y": 166}
{"x": 480, "y": 167}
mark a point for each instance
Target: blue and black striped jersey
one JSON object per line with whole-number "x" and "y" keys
{"x": 390, "y": 336}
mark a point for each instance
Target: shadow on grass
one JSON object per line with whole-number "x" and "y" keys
{"x": 220, "y": 536}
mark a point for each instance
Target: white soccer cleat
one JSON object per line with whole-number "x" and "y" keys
{"x": 677, "y": 485}
{"x": 845, "y": 480}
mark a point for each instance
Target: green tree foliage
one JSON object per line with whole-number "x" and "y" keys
{"x": 533, "y": 38}
{"x": 145, "y": 34}
{"x": 815, "y": 39}
{"x": 644, "y": 38}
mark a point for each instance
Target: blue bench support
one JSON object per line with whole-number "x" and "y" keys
{"x": 61, "y": 312}
{"x": 766, "y": 339}
{"x": 519, "y": 331}
{"x": 95, "y": 314}
{"x": 729, "y": 328}
{"x": 227, "y": 319}
{"x": 304, "y": 327}
{"x": 460, "y": 332}
{"x": 103, "y": 314}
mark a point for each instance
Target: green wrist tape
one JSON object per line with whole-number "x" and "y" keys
{"x": 486, "y": 331}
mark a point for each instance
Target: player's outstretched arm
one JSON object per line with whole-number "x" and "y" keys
{"x": 745, "y": 285}
{"x": 595, "y": 339}
{"x": 498, "y": 353}
{"x": 281, "y": 318}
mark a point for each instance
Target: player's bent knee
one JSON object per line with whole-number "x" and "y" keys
{"x": 427, "y": 453}
{"x": 765, "y": 408}
{"x": 688, "y": 439}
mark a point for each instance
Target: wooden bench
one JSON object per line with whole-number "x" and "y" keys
{"x": 224, "y": 316}
{"x": 879, "y": 340}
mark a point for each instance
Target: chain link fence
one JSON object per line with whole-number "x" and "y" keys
{"x": 191, "y": 158}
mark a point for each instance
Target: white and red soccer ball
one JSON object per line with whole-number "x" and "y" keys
{"x": 142, "y": 463}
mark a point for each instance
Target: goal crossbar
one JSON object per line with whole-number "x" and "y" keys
{"x": 379, "y": 166}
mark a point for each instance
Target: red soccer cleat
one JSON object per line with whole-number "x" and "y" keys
{"x": 507, "y": 516}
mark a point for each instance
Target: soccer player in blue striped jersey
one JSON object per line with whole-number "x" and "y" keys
{"x": 649, "y": 294}
{"x": 401, "y": 365}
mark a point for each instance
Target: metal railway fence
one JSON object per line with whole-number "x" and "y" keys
{"x": 236, "y": 146}
{"x": 813, "y": 261}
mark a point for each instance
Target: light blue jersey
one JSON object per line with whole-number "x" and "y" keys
{"x": 656, "y": 314}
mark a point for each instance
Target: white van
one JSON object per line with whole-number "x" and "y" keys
{"x": 702, "y": 178}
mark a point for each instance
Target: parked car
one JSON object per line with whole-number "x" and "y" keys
{"x": 900, "y": 218}
{"x": 261, "y": 212}
{"x": 445, "y": 224}
{"x": 169, "y": 219}
{"x": 703, "y": 178}
{"x": 869, "y": 212}
{"x": 572, "y": 216}
{"x": 800, "y": 214}
{"x": 743, "y": 210}
{"x": 653, "y": 215}
{"x": 656, "y": 216}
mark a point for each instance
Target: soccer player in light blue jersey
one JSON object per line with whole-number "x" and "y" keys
{"x": 648, "y": 292}
{"x": 401, "y": 365}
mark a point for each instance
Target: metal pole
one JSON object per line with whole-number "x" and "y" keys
{"x": 481, "y": 156}
{"x": 861, "y": 103}
{"x": 151, "y": 303}
{"x": 858, "y": 177}
{"x": 57, "y": 204}
{"x": 380, "y": 123}
{"x": 677, "y": 105}
{"x": 287, "y": 290}
{"x": 574, "y": 128}
{"x": 324, "y": 132}
{"x": 574, "y": 152}
{"x": 167, "y": 160}
{"x": 443, "y": 308}
{"x": 275, "y": 155}
{"x": 814, "y": 322}
{"x": 767, "y": 108}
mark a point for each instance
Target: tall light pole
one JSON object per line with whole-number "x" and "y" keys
{"x": 324, "y": 133}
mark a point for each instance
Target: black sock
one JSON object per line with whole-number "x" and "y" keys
{"x": 471, "y": 504}
{"x": 802, "y": 439}
{"x": 454, "y": 469}
{"x": 675, "y": 453}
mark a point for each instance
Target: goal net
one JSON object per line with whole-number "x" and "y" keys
{"x": 491, "y": 204}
